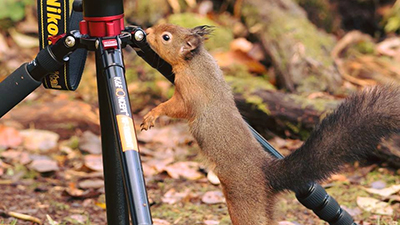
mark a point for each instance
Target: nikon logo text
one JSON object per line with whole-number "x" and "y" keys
{"x": 53, "y": 16}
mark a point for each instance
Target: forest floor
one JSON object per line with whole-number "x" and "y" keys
{"x": 54, "y": 173}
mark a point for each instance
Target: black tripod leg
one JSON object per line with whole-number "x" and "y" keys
{"x": 123, "y": 137}
{"x": 15, "y": 88}
{"x": 117, "y": 208}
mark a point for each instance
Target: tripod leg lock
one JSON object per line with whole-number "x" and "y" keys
{"x": 324, "y": 206}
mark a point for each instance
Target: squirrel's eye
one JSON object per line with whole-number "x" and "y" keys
{"x": 166, "y": 37}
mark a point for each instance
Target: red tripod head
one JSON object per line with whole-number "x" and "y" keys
{"x": 102, "y": 18}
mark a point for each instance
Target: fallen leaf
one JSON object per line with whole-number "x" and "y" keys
{"x": 378, "y": 184}
{"x": 16, "y": 156}
{"x": 352, "y": 211}
{"x": 212, "y": 177}
{"x": 159, "y": 165}
{"x": 172, "y": 196}
{"x": 79, "y": 193}
{"x": 211, "y": 222}
{"x": 393, "y": 198}
{"x": 231, "y": 58}
{"x": 70, "y": 174}
{"x": 168, "y": 136}
{"x": 384, "y": 192}
{"x": 160, "y": 222}
{"x": 44, "y": 165}
{"x": 241, "y": 44}
{"x": 42, "y": 140}
{"x": 51, "y": 221}
{"x": 3, "y": 46}
{"x": 102, "y": 205}
{"x": 91, "y": 183}
{"x": 90, "y": 143}
{"x": 148, "y": 171}
{"x": 374, "y": 206}
{"x": 9, "y": 137}
{"x": 55, "y": 115}
{"x": 93, "y": 162}
{"x": 188, "y": 170}
{"x": 338, "y": 177}
{"x": 213, "y": 197}
{"x": 23, "y": 40}
{"x": 79, "y": 218}
{"x": 285, "y": 223}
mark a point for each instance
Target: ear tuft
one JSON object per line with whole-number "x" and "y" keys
{"x": 203, "y": 31}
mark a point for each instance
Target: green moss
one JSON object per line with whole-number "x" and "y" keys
{"x": 219, "y": 39}
{"x": 298, "y": 129}
{"x": 248, "y": 85}
{"x": 319, "y": 104}
{"x": 237, "y": 70}
{"x": 190, "y": 213}
{"x": 316, "y": 43}
{"x": 73, "y": 142}
{"x": 146, "y": 12}
{"x": 391, "y": 20}
{"x": 366, "y": 47}
{"x": 258, "y": 102}
{"x": 381, "y": 174}
{"x": 59, "y": 206}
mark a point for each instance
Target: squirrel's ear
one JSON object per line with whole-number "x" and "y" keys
{"x": 192, "y": 42}
{"x": 203, "y": 31}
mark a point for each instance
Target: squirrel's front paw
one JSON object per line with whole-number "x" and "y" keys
{"x": 148, "y": 121}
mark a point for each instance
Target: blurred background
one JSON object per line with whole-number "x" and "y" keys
{"x": 289, "y": 62}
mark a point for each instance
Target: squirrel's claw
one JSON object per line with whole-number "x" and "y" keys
{"x": 148, "y": 121}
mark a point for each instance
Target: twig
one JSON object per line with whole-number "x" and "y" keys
{"x": 20, "y": 216}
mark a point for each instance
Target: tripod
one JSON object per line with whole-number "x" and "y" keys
{"x": 103, "y": 32}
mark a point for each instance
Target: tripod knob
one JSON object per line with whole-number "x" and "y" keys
{"x": 77, "y": 6}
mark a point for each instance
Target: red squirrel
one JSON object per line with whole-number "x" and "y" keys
{"x": 249, "y": 176}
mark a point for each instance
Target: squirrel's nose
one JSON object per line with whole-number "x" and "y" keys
{"x": 149, "y": 30}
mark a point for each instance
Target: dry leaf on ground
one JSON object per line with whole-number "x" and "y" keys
{"x": 16, "y": 156}
{"x": 91, "y": 183}
{"x": 42, "y": 140}
{"x": 374, "y": 206}
{"x": 172, "y": 196}
{"x": 285, "y": 223}
{"x": 9, "y": 137}
{"x": 160, "y": 222}
{"x": 93, "y": 162}
{"x": 79, "y": 218}
{"x": 211, "y": 222}
{"x": 384, "y": 192}
{"x": 90, "y": 143}
{"x": 212, "y": 177}
{"x": 168, "y": 136}
{"x": 44, "y": 165}
{"x": 213, "y": 197}
{"x": 188, "y": 170}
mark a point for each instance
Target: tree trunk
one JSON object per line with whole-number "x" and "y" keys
{"x": 299, "y": 52}
{"x": 283, "y": 114}
{"x": 295, "y": 116}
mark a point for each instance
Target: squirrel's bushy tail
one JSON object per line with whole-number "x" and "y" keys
{"x": 353, "y": 130}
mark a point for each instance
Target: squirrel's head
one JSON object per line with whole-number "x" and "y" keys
{"x": 176, "y": 44}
